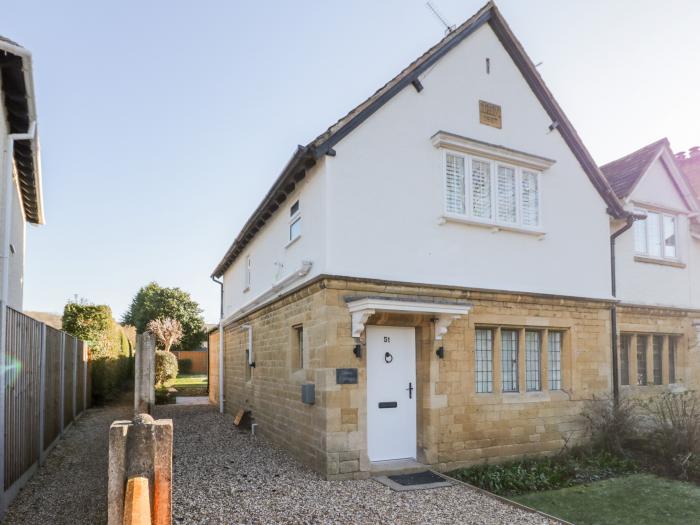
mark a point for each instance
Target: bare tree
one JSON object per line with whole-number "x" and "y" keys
{"x": 168, "y": 331}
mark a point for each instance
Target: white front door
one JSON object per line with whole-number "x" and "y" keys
{"x": 391, "y": 392}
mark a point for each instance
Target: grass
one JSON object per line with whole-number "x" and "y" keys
{"x": 191, "y": 381}
{"x": 637, "y": 499}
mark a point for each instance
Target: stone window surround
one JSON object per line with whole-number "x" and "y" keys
{"x": 523, "y": 395}
{"x": 632, "y": 359}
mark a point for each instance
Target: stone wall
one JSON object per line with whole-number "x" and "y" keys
{"x": 650, "y": 321}
{"x": 456, "y": 426}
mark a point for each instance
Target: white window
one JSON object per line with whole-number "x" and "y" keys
{"x": 530, "y": 198}
{"x": 656, "y": 236}
{"x": 492, "y": 192}
{"x": 294, "y": 222}
{"x": 454, "y": 184}
{"x": 507, "y": 195}
{"x": 248, "y": 271}
{"x": 481, "y": 189}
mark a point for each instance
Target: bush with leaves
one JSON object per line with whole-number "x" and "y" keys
{"x": 156, "y": 302}
{"x": 611, "y": 425}
{"x": 185, "y": 366}
{"x": 109, "y": 346}
{"x": 166, "y": 369}
{"x": 675, "y": 433}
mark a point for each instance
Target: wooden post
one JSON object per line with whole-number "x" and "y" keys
{"x": 42, "y": 394}
{"x": 61, "y": 397}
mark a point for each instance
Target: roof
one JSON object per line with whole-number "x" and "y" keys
{"x": 306, "y": 156}
{"x": 624, "y": 173}
{"x": 17, "y": 97}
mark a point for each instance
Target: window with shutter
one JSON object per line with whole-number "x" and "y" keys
{"x": 640, "y": 236}
{"x": 454, "y": 184}
{"x": 507, "y": 196}
{"x": 669, "y": 236}
{"x": 530, "y": 198}
{"x": 481, "y": 189}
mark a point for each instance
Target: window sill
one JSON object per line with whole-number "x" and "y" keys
{"x": 295, "y": 239}
{"x": 660, "y": 262}
{"x": 494, "y": 227}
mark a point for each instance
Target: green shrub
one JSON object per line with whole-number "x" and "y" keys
{"x": 166, "y": 368}
{"x": 530, "y": 475}
{"x": 185, "y": 366}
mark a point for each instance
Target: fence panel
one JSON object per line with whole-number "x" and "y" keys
{"x": 52, "y": 389}
{"x": 68, "y": 383}
{"x": 22, "y": 361}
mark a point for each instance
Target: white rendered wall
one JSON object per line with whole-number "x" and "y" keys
{"x": 386, "y": 189}
{"x": 269, "y": 248}
{"x": 655, "y": 284}
{"x": 17, "y": 232}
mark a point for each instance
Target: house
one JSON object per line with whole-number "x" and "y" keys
{"x": 20, "y": 171}
{"x": 428, "y": 281}
{"x": 689, "y": 164}
{"x": 657, "y": 274}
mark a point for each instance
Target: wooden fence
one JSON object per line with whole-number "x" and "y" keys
{"x": 46, "y": 387}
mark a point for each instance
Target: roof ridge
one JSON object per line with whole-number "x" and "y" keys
{"x": 637, "y": 151}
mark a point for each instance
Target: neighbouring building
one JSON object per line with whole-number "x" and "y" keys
{"x": 20, "y": 171}
{"x": 657, "y": 271}
{"x": 428, "y": 281}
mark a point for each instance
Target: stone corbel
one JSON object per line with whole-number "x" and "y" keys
{"x": 442, "y": 323}
{"x": 359, "y": 319}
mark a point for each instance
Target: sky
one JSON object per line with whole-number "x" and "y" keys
{"x": 164, "y": 123}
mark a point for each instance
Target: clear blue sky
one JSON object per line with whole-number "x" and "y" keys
{"x": 163, "y": 123}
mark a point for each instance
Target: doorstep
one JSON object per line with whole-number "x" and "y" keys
{"x": 396, "y": 466}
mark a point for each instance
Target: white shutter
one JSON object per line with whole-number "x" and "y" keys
{"x": 640, "y": 236}
{"x": 481, "y": 189}
{"x": 654, "y": 234}
{"x": 669, "y": 236}
{"x": 530, "y": 199}
{"x": 507, "y": 196}
{"x": 454, "y": 184}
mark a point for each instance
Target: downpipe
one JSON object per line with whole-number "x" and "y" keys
{"x": 221, "y": 344}
{"x": 613, "y": 309}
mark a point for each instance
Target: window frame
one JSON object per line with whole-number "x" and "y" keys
{"x": 483, "y": 375}
{"x": 294, "y": 218}
{"x": 558, "y": 361}
{"x": 661, "y": 217}
{"x": 298, "y": 347}
{"x": 530, "y": 374}
{"x": 494, "y": 166}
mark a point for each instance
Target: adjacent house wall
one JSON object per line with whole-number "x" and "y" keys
{"x": 658, "y": 284}
{"x": 386, "y": 189}
{"x": 17, "y": 233}
{"x": 271, "y": 255}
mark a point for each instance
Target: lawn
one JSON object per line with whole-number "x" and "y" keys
{"x": 191, "y": 381}
{"x": 637, "y": 499}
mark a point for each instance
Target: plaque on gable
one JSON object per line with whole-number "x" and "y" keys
{"x": 490, "y": 114}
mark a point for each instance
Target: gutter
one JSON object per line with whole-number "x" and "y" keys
{"x": 613, "y": 308}
{"x": 27, "y": 69}
{"x": 221, "y": 345}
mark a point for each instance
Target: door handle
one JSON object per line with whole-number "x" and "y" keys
{"x": 410, "y": 390}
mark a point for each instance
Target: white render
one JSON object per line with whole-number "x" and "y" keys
{"x": 376, "y": 209}
{"x": 646, "y": 282}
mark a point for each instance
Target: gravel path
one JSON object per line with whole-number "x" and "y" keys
{"x": 223, "y": 475}
{"x": 71, "y": 487}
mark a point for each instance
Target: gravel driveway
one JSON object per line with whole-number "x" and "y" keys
{"x": 71, "y": 487}
{"x": 223, "y": 475}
